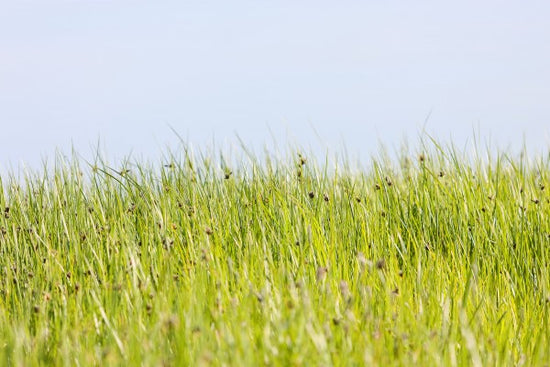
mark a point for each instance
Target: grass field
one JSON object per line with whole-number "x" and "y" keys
{"x": 427, "y": 259}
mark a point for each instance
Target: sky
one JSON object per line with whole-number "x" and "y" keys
{"x": 122, "y": 75}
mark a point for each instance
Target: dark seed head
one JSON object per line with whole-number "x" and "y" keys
{"x": 311, "y": 194}
{"x": 381, "y": 264}
{"x": 259, "y": 297}
{"x": 171, "y": 322}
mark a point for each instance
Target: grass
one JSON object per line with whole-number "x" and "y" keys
{"x": 430, "y": 259}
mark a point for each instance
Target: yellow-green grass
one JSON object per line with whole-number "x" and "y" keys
{"x": 429, "y": 259}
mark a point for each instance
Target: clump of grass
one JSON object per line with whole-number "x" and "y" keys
{"x": 431, "y": 261}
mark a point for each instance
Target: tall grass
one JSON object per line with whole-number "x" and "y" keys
{"x": 430, "y": 259}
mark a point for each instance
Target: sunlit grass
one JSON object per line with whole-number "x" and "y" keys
{"x": 429, "y": 259}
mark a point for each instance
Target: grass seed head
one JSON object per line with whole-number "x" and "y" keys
{"x": 362, "y": 260}
{"x": 204, "y": 255}
{"x": 171, "y": 322}
{"x": 344, "y": 289}
{"x": 321, "y": 273}
{"x": 259, "y": 297}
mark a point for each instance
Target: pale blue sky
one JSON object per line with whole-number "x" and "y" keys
{"x": 357, "y": 72}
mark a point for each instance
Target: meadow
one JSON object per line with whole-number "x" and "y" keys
{"x": 431, "y": 258}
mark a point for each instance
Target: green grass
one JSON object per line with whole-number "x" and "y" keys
{"x": 428, "y": 259}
